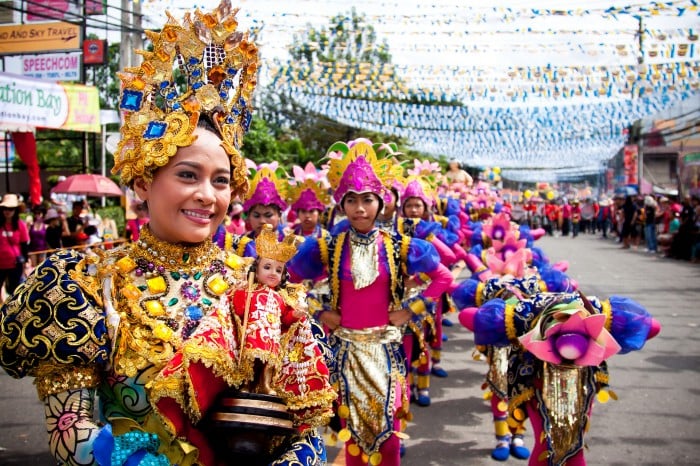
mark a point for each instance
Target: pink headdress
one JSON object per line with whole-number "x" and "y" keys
{"x": 570, "y": 334}
{"x": 309, "y": 188}
{"x": 266, "y": 189}
{"x": 417, "y": 187}
{"x": 357, "y": 169}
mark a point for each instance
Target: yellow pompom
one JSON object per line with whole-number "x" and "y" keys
{"x": 518, "y": 414}
{"x": 354, "y": 450}
{"x": 344, "y": 435}
{"x": 603, "y": 396}
{"x": 502, "y": 406}
{"x": 365, "y": 458}
{"x": 375, "y": 459}
{"x": 343, "y": 411}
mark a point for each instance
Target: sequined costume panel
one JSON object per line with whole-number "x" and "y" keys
{"x": 371, "y": 376}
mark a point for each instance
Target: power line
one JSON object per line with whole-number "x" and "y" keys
{"x": 76, "y": 19}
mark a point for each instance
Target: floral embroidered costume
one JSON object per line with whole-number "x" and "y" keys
{"x": 366, "y": 268}
{"x": 148, "y": 325}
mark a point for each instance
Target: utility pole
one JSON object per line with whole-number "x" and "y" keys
{"x": 638, "y": 124}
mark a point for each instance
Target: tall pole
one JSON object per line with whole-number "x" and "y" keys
{"x": 83, "y": 79}
{"x": 638, "y": 123}
{"x": 125, "y": 44}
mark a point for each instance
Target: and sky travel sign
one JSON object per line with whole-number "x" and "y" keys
{"x": 26, "y": 104}
{"x": 44, "y": 37}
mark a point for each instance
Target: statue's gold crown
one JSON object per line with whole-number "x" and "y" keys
{"x": 202, "y": 66}
{"x": 268, "y": 246}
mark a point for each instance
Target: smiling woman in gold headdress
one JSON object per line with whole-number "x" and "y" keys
{"x": 148, "y": 326}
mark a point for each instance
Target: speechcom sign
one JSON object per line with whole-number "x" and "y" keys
{"x": 44, "y": 37}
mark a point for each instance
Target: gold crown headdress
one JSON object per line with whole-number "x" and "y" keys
{"x": 268, "y": 247}
{"x": 217, "y": 67}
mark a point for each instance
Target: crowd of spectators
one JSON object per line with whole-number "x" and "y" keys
{"x": 660, "y": 224}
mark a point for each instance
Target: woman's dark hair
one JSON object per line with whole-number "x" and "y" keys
{"x": 15, "y": 218}
{"x": 206, "y": 121}
{"x": 254, "y": 268}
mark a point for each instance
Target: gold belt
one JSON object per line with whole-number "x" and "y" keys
{"x": 382, "y": 334}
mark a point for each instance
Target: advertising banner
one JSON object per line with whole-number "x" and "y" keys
{"x": 690, "y": 174}
{"x": 28, "y": 103}
{"x": 630, "y": 162}
{"x": 44, "y": 37}
{"x": 48, "y": 66}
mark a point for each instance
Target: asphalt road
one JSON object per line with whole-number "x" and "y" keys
{"x": 656, "y": 421}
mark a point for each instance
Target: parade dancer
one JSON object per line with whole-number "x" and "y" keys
{"x": 563, "y": 340}
{"x": 112, "y": 323}
{"x": 367, "y": 307}
{"x": 416, "y": 201}
{"x": 308, "y": 196}
{"x": 265, "y": 202}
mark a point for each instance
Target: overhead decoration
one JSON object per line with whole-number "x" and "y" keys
{"x": 527, "y": 89}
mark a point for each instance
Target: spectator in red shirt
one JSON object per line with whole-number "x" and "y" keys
{"x": 14, "y": 244}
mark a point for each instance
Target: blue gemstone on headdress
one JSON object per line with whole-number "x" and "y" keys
{"x": 171, "y": 95}
{"x": 223, "y": 95}
{"x": 194, "y": 312}
{"x": 131, "y": 100}
{"x": 176, "y": 106}
{"x": 193, "y": 60}
{"x": 197, "y": 85}
{"x": 247, "y": 118}
{"x": 197, "y": 72}
{"x": 231, "y": 70}
{"x": 155, "y": 130}
{"x": 164, "y": 84}
{"x": 229, "y": 120}
{"x": 235, "y": 111}
{"x": 242, "y": 102}
{"x": 227, "y": 83}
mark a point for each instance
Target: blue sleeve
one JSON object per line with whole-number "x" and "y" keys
{"x": 556, "y": 280}
{"x": 424, "y": 229}
{"x": 341, "y": 226}
{"x": 250, "y": 250}
{"x": 465, "y": 294}
{"x": 489, "y": 324}
{"x": 453, "y": 206}
{"x": 476, "y": 239}
{"x": 453, "y": 223}
{"x": 526, "y": 235}
{"x": 53, "y": 318}
{"x": 631, "y": 323}
{"x": 447, "y": 237}
{"x": 422, "y": 257}
{"x": 307, "y": 262}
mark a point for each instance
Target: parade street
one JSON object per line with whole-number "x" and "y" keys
{"x": 654, "y": 422}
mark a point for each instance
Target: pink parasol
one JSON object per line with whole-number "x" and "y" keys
{"x": 88, "y": 184}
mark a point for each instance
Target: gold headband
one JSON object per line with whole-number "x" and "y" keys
{"x": 202, "y": 67}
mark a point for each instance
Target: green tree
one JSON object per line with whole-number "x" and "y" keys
{"x": 349, "y": 38}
